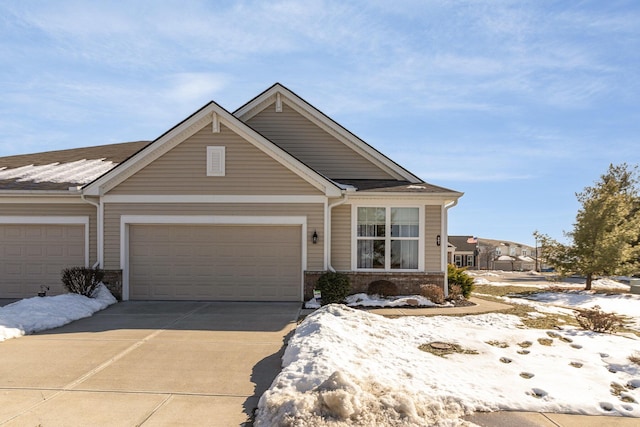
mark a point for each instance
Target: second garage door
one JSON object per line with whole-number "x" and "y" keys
{"x": 204, "y": 262}
{"x": 33, "y": 255}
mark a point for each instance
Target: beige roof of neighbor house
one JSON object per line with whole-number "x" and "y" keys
{"x": 61, "y": 169}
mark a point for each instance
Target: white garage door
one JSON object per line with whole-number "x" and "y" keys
{"x": 205, "y": 262}
{"x": 35, "y": 254}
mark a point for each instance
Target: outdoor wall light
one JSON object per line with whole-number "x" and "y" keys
{"x": 438, "y": 240}
{"x": 314, "y": 238}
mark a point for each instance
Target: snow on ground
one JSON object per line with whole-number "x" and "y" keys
{"x": 364, "y": 300}
{"x": 349, "y": 367}
{"x": 40, "y": 313}
{"x": 622, "y": 304}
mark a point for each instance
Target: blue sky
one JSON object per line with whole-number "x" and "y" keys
{"x": 518, "y": 104}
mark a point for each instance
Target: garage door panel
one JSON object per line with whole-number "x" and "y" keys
{"x": 35, "y": 254}
{"x": 215, "y": 262}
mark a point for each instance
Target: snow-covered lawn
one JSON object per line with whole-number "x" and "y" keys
{"x": 40, "y": 313}
{"x": 347, "y": 367}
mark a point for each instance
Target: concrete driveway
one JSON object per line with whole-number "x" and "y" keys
{"x": 147, "y": 363}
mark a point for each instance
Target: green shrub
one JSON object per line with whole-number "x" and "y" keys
{"x": 334, "y": 287}
{"x": 81, "y": 280}
{"x": 383, "y": 288}
{"x": 457, "y": 276}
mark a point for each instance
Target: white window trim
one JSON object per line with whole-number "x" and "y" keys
{"x": 53, "y": 220}
{"x": 127, "y": 220}
{"x": 388, "y": 206}
{"x": 213, "y": 168}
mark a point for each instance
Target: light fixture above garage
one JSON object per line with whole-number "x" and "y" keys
{"x": 314, "y": 238}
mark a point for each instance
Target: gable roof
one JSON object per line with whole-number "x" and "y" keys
{"x": 462, "y": 244}
{"x": 99, "y": 169}
{"x": 278, "y": 93}
{"x": 61, "y": 169}
{"x": 207, "y": 115}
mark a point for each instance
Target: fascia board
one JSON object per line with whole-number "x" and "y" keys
{"x": 192, "y": 125}
{"x": 433, "y": 197}
{"x": 250, "y": 109}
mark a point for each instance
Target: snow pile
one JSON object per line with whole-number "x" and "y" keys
{"x": 80, "y": 172}
{"x": 347, "y": 367}
{"x": 40, "y": 313}
{"x": 365, "y": 300}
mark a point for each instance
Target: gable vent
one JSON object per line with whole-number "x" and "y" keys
{"x": 215, "y": 161}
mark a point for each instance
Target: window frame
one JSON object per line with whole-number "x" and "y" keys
{"x": 387, "y": 238}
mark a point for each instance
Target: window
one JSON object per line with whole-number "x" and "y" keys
{"x": 512, "y": 251}
{"x": 215, "y": 161}
{"x": 470, "y": 260}
{"x": 458, "y": 260}
{"x": 498, "y": 252}
{"x": 388, "y": 238}
{"x": 524, "y": 252}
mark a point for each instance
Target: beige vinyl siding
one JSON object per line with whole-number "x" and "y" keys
{"x": 62, "y": 209}
{"x": 433, "y": 227}
{"x": 314, "y": 146}
{"x": 314, "y": 213}
{"x": 183, "y": 170}
{"x": 341, "y": 238}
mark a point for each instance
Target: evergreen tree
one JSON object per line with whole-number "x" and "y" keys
{"x": 605, "y": 236}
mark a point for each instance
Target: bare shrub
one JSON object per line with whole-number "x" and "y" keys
{"x": 455, "y": 292}
{"x": 434, "y": 293}
{"x": 383, "y": 288}
{"x": 596, "y": 320}
{"x": 635, "y": 358}
{"x": 81, "y": 280}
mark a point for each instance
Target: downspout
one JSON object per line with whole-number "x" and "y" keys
{"x": 328, "y": 231}
{"x": 99, "y": 226}
{"x": 445, "y": 244}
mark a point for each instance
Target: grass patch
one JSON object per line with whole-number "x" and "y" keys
{"x": 545, "y": 341}
{"x": 525, "y": 344}
{"x": 442, "y": 349}
{"x": 634, "y": 358}
{"x": 499, "y": 344}
{"x": 501, "y": 291}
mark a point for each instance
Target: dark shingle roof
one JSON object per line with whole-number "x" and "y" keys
{"x": 115, "y": 153}
{"x": 461, "y": 243}
{"x": 393, "y": 186}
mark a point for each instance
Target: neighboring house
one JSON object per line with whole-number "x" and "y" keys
{"x": 463, "y": 251}
{"x": 505, "y": 255}
{"x": 250, "y": 206}
{"x": 478, "y": 253}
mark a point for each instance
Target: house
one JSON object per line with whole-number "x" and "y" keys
{"x": 463, "y": 251}
{"x": 505, "y": 255}
{"x": 249, "y": 206}
{"x": 478, "y": 253}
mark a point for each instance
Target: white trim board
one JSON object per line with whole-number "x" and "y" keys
{"x": 53, "y": 220}
{"x": 183, "y": 198}
{"x": 127, "y": 220}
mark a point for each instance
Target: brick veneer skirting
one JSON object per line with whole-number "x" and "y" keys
{"x": 408, "y": 283}
{"x": 113, "y": 281}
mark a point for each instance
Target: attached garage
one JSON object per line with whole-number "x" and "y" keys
{"x": 215, "y": 262}
{"x": 33, "y": 255}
